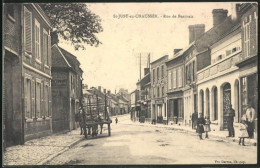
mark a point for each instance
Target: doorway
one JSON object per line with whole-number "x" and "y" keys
{"x": 226, "y": 103}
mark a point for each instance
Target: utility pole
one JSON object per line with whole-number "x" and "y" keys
{"x": 140, "y": 67}
{"x": 83, "y": 110}
{"x": 106, "y": 105}
{"x": 90, "y": 106}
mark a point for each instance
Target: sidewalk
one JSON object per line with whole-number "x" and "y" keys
{"x": 39, "y": 151}
{"x": 214, "y": 134}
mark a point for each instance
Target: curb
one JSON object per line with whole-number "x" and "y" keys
{"x": 213, "y": 137}
{"x": 60, "y": 152}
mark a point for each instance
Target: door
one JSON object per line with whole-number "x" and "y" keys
{"x": 176, "y": 108}
{"x": 226, "y": 103}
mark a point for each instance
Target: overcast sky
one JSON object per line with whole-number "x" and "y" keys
{"x": 114, "y": 64}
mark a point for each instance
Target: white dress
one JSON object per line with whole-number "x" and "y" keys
{"x": 242, "y": 133}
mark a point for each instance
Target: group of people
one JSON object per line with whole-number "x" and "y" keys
{"x": 246, "y": 126}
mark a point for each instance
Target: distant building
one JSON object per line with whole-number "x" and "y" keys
{"x": 66, "y": 89}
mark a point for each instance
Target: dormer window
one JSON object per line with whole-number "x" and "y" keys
{"x": 234, "y": 49}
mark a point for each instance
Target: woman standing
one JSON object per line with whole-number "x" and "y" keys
{"x": 200, "y": 123}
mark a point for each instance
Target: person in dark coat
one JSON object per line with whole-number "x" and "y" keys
{"x": 200, "y": 123}
{"x": 230, "y": 121}
{"x": 194, "y": 119}
{"x": 116, "y": 120}
{"x": 80, "y": 120}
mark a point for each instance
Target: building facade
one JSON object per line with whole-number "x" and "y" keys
{"x": 159, "y": 88}
{"x": 218, "y": 83}
{"x": 175, "y": 71}
{"x": 248, "y": 74}
{"x": 66, "y": 89}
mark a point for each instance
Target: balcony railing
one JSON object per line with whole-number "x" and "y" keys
{"x": 219, "y": 67}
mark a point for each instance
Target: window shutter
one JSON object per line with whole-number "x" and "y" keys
{"x": 42, "y": 101}
{"x": 25, "y": 97}
{"x": 49, "y": 50}
{"x": 28, "y": 30}
{"x": 33, "y": 98}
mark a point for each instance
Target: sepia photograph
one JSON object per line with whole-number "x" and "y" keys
{"x": 169, "y": 83}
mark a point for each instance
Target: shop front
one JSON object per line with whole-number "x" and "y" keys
{"x": 175, "y": 107}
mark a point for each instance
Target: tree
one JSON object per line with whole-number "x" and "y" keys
{"x": 73, "y": 22}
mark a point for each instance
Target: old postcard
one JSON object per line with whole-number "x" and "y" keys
{"x": 130, "y": 83}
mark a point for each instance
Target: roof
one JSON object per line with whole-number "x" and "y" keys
{"x": 181, "y": 52}
{"x": 215, "y": 33}
{"x": 73, "y": 61}
{"x": 58, "y": 58}
{"x": 159, "y": 59}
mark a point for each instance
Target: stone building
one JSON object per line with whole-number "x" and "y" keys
{"x": 27, "y": 73}
{"x": 66, "y": 89}
{"x": 175, "y": 71}
{"x": 218, "y": 83}
{"x": 159, "y": 88}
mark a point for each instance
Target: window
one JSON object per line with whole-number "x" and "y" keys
{"x": 228, "y": 52}
{"x": 154, "y": 92}
{"x": 219, "y": 57}
{"x": 193, "y": 70}
{"x": 170, "y": 80}
{"x": 27, "y": 98}
{"x": 27, "y": 31}
{"x": 174, "y": 79}
{"x": 256, "y": 28}
{"x": 162, "y": 71}
{"x": 45, "y": 47}
{"x": 37, "y": 41}
{"x": 38, "y": 100}
{"x": 153, "y": 75}
{"x": 246, "y": 25}
{"x": 158, "y": 74}
{"x": 162, "y": 91}
{"x": 46, "y": 95}
{"x": 158, "y": 91}
{"x": 180, "y": 77}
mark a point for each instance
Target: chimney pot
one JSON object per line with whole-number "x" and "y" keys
{"x": 99, "y": 88}
{"x": 195, "y": 31}
{"x": 219, "y": 15}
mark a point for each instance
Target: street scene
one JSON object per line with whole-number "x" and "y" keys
{"x": 130, "y": 83}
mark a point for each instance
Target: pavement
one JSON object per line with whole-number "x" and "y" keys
{"x": 214, "y": 134}
{"x": 42, "y": 150}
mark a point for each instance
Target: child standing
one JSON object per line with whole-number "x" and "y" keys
{"x": 242, "y": 134}
{"x": 207, "y": 126}
{"x": 116, "y": 120}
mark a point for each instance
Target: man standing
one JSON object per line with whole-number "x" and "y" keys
{"x": 230, "y": 121}
{"x": 250, "y": 117}
{"x": 194, "y": 119}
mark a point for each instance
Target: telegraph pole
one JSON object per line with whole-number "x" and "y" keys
{"x": 140, "y": 67}
{"x": 83, "y": 110}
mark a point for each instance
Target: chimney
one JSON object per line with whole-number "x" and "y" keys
{"x": 146, "y": 71}
{"x": 195, "y": 31}
{"x": 104, "y": 90}
{"x": 108, "y": 92}
{"x": 99, "y": 88}
{"x": 219, "y": 15}
{"x": 115, "y": 91}
{"x": 175, "y": 51}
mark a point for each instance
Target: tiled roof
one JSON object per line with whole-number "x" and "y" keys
{"x": 58, "y": 59}
{"x": 73, "y": 61}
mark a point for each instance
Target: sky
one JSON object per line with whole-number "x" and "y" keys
{"x": 115, "y": 63}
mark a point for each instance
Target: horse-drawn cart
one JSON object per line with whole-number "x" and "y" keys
{"x": 92, "y": 127}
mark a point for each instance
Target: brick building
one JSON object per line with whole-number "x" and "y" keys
{"x": 66, "y": 89}
{"x": 27, "y": 69}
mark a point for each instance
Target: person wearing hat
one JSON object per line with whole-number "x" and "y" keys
{"x": 250, "y": 117}
{"x": 230, "y": 121}
{"x": 200, "y": 123}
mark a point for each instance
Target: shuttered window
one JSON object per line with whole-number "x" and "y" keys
{"x": 49, "y": 50}
{"x": 37, "y": 41}
{"x": 46, "y": 100}
{"x": 170, "y": 80}
{"x": 180, "y": 77}
{"x": 27, "y": 98}
{"x": 45, "y": 47}
{"x": 27, "y": 31}
{"x": 33, "y": 97}
{"x": 174, "y": 79}
{"x": 38, "y": 100}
